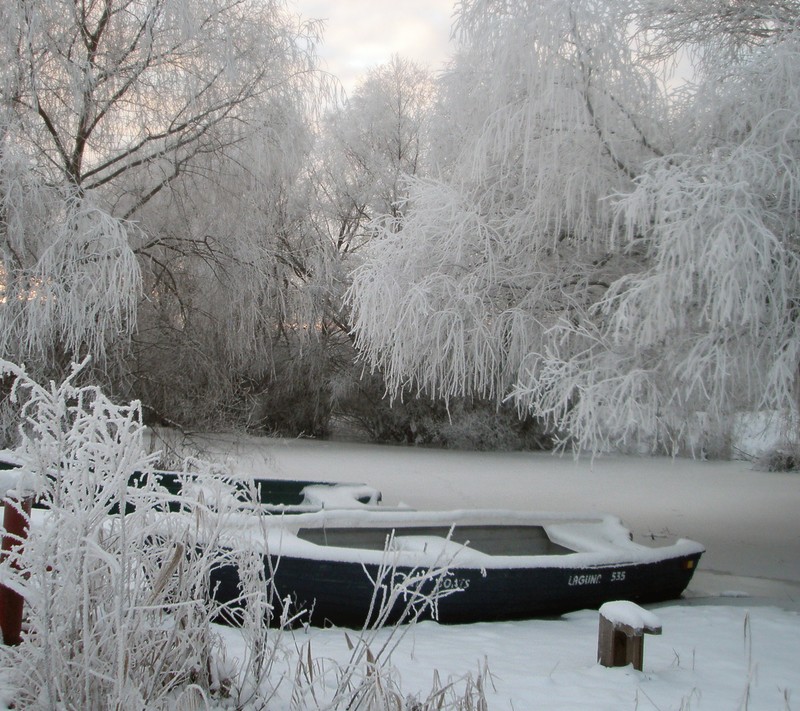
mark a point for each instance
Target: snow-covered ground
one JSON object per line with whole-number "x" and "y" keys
{"x": 731, "y": 643}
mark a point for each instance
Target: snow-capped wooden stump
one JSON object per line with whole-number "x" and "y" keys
{"x": 623, "y": 625}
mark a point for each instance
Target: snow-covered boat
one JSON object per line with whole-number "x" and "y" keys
{"x": 339, "y": 557}
{"x": 278, "y": 495}
{"x": 500, "y": 565}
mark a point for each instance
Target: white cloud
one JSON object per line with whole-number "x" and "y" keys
{"x": 360, "y": 34}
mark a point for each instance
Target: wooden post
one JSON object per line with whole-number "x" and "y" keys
{"x": 621, "y": 635}
{"x": 16, "y": 518}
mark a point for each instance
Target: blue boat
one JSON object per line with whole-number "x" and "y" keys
{"x": 338, "y": 567}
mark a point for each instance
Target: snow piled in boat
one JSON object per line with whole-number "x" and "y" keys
{"x": 595, "y": 540}
{"x": 340, "y": 496}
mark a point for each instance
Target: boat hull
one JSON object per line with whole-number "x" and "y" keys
{"x": 330, "y": 592}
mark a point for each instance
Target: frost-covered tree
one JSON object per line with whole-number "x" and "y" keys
{"x": 226, "y": 277}
{"x": 365, "y": 145}
{"x": 116, "y": 116}
{"x": 609, "y": 261}
{"x": 544, "y": 113}
{"x": 710, "y": 323}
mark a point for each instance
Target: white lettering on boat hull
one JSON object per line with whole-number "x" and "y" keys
{"x": 594, "y": 579}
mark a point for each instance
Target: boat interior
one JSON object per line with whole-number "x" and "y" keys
{"x": 496, "y": 540}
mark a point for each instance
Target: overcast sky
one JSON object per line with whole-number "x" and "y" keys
{"x": 360, "y": 34}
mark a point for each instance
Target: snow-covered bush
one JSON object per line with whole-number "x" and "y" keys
{"x": 118, "y": 612}
{"x": 363, "y": 410}
{"x": 781, "y": 458}
{"x": 116, "y": 583}
{"x": 367, "y": 680}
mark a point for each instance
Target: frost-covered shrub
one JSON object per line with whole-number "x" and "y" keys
{"x": 481, "y": 425}
{"x": 7, "y": 418}
{"x": 118, "y": 611}
{"x": 362, "y": 410}
{"x": 367, "y": 680}
{"x": 783, "y": 457}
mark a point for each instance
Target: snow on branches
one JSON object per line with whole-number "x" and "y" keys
{"x": 611, "y": 262}
{"x": 710, "y": 325}
{"x": 545, "y": 113}
{"x": 81, "y": 293}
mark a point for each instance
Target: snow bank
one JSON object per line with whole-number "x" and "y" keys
{"x": 708, "y": 658}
